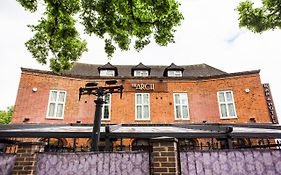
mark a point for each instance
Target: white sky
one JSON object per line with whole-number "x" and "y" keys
{"x": 209, "y": 34}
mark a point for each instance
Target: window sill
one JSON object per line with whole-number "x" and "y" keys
{"x": 226, "y": 118}
{"x": 142, "y": 120}
{"x": 54, "y": 118}
{"x": 180, "y": 119}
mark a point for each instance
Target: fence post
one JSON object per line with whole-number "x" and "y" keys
{"x": 164, "y": 156}
{"x": 26, "y": 158}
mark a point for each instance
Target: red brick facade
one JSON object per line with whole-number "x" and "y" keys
{"x": 202, "y": 99}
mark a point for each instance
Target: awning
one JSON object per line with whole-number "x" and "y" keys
{"x": 213, "y": 130}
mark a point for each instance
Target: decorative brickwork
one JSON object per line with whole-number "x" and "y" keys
{"x": 164, "y": 156}
{"x": 26, "y": 158}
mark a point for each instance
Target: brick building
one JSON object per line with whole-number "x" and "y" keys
{"x": 152, "y": 94}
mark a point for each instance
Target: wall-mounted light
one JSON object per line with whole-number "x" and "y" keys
{"x": 34, "y": 89}
{"x": 247, "y": 90}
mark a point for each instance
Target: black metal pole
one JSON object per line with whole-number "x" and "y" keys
{"x": 97, "y": 123}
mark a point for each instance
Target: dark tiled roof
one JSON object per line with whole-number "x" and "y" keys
{"x": 108, "y": 66}
{"x": 140, "y": 66}
{"x": 172, "y": 67}
{"x": 199, "y": 71}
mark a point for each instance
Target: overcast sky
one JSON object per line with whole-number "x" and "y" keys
{"x": 209, "y": 34}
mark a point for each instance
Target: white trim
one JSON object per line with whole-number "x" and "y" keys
{"x": 187, "y": 105}
{"x": 226, "y": 103}
{"x": 174, "y": 73}
{"x": 107, "y": 73}
{"x": 136, "y": 112}
{"x": 56, "y": 104}
{"x": 142, "y": 73}
{"x": 109, "y": 109}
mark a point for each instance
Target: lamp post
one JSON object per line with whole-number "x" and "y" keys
{"x": 92, "y": 88}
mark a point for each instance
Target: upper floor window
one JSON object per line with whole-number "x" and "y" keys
{"x": 106, "y": 108}
{"x": 226, "y": 104}
{"x": 174, "y": 73}
{"x": 107, "y": 73}
{"x": 140, "y": 73}
{"x": 181, "y": 106}
{"x": 56, "y": 104}
{"x": 142, "y": 106}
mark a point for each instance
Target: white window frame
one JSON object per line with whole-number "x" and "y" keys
{"x": 56, "y": 104}
{"x": 109, "y": 108}
{"x": 140, "y": 73}
{"x": 174, "y": 73}
{"x": 107, "y": 73}
{"x": 180, "y": 104}
{"x": 142, "y": 105}
{"x": 226, "y": 103}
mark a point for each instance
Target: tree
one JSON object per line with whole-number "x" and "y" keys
{"x": 260, "y": 19}
{"x": 118, "y": 22}
{"x": 6, "y": 116}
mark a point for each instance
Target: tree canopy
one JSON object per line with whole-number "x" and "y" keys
{"x": 118, "y": 22}
{"x": 260, "y": 19}
{"x": 6, "y": 116}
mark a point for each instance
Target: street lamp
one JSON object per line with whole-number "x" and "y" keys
{"x": 92, "y": 88}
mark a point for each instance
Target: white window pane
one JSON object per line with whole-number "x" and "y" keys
{"x": 173, "y": 73}
{"x": 145, "y": 99}
{"x": 51, "y": 112}
{"x": 229, "y": 97}
{"x": 139, "y": 101}
{"x": 184, "y": 112}
{"x": 139, "y": 112}
{"x": 53, "y": 95}
{"x": 141, "y": 73}
{"x": 223, "y": 110}
{"x": 107, "y": 98}
{"x": 145, "y": 111}
{"x": 59, "y": 110}
{"x": 177, "y": 99}
{"x": 231, "y": 109}
{"x": 61, "y": 96}
{"x": 221, "y": 97}
{"x": 106, "y": 112}
{"x": 109, "y": 73}
{"x": 183, "y": 99}
{"x": 178, "y": 112}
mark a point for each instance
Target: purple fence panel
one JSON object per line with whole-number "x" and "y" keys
{"x": 136, "y": 163}
{"x": 231, "y": 162}
{"x": 7, "y": 163}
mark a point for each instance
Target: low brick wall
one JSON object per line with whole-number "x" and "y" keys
{"x": 164, "y": 159}
{"x": 164, "y": 156}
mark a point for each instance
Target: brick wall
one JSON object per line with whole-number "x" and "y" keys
{"x": 202, "y": 97}
{"x": 164, "y": 156}
{"x": 26, "y": 158}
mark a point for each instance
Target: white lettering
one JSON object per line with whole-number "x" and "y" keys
{"x": 143, "y": 87}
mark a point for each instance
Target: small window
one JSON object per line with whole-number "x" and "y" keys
{"x": 56, "y": 104}
{"x": 226, "y": 104}
{"x": 106, "y": 108}
{"x": 107, "y": 73}
{"x": 181, "y": 106}
{"x": 174, "y": 73}
{"x": 141, "y": 73}
{"x": 142, "y": 106}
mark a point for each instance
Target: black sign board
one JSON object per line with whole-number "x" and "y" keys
{"x": 270, "y": 104}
